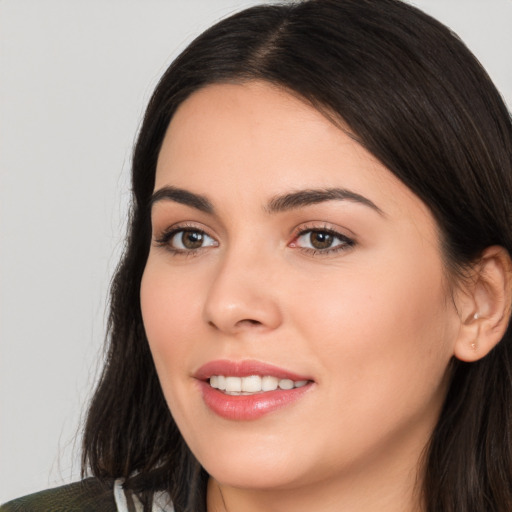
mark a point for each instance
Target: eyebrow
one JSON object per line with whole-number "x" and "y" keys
{"x": 277, "y": 204}
{"x": 179, "y": 195}
{"x": 309, "y": 197}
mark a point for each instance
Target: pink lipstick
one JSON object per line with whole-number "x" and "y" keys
{"x": 247, "y": 390}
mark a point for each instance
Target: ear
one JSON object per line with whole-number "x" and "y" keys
{"x": 484, "y": 305}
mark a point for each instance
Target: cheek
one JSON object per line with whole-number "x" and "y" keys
{"x": 170, "y": 298}
{"x": 169, "y": 310}
{"x": 383, "y": 343}
{"x": 170, "y": 305}
{"x": 380, "y": 333}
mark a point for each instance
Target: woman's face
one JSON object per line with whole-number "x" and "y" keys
{"x": 284, "y": 251}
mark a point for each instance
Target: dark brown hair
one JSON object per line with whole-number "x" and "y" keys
{"x": 415, "y": 97}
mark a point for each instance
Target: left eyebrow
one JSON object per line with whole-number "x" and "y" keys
{"x": 309, "y": 197}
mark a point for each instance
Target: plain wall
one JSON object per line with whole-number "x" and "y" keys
{"x": 74, "y": 79}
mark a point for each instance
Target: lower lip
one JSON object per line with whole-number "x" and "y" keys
{"x": 249, "y": 407}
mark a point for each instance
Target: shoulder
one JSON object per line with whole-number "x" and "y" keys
{"x": 89, "y": 495}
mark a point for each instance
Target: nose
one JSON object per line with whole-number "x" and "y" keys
{"x": 242, "y": 296}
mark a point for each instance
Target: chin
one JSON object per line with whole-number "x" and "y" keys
{"x": 256, "y": 476}
{"x": 257, "y": 462}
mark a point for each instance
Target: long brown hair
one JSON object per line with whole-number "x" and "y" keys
{"x": 418, "y": 100}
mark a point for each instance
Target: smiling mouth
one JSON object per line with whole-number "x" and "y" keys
{"x": 253, "y": 384}
{"x": 249, "y": 389}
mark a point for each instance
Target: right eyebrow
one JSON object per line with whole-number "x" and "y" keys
{"x": 179, "y": 195}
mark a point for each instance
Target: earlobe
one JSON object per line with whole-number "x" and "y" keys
{"x": 486, "y": 307}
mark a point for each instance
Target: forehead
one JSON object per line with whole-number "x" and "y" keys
{"x": 256, "y": 141}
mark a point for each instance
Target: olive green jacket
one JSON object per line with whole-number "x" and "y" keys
{"x": 90, "y": 495}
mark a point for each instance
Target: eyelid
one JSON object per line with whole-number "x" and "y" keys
{"x": 165, "y": 236}
{"x": 322, "y": 225}
{"x": 349, "y": 241}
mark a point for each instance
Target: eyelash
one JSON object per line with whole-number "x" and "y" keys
{"x": 165, "y": 238}
{"x": 346, "y": 243}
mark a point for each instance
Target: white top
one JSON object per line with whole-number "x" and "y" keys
{"x": 161, "y": 500}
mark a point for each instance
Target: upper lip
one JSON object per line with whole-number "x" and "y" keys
{"x": 245, "y": 368}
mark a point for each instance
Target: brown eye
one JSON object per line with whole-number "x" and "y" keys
{"x": 191, "y": 239}
{"x": 184, "y": 240}
{"x": 321, "y": 239}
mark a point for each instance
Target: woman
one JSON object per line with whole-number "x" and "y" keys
{"x": 312, "y": 310}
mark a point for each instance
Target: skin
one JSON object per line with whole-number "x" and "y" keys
{"x": 373, "y": 324}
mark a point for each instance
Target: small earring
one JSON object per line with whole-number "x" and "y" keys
{"x": 474, "y": 345}
{"x": 476, "y": 316}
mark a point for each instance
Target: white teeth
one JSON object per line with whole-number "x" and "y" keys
{"x": 269, "y": 383}
{"x": 252, "y": 384}
{"x": 233, "y": 384}
{"x": 221, "y": 382}
{"x": 286, "y": 384}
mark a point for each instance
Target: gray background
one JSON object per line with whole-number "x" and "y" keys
{"x": 74, "y": 79}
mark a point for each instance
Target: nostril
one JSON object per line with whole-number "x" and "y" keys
{"x": 248, "y": 321}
